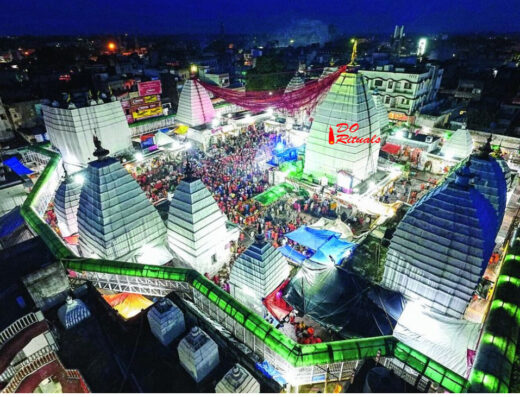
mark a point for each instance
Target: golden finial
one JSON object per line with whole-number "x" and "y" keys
{"x": 354, "y": 53}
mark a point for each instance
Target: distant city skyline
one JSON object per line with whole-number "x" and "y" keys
{"x": 60, "y": 17}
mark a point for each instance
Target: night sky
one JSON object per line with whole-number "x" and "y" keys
{"x": 47, "y": 17}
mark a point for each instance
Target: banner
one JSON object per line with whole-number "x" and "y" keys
{"x": 144, "y": 99}
{"x": 397, "y": 116}
{"x": 137, "y": 101}
{"x": 140, "y": 114}
{"x": 145, "y": 106}
{"x": 151, "y": 98}
{"x": 149, "y": 88}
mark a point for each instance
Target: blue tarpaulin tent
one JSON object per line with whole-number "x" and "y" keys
{"x": 292, "y": 254}
{"x": 17, "y": 167}
{"x": 271, "y": 372}
{"x": 311, "y": 238}
{"x": 338, "y": 249}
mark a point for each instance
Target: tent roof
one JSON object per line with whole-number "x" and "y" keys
{"x": 161, "y": 139}
{"x": 278, "y": 307}
{"x": 391, "y": 148}
{"x": 335, "y": 226}
{"x": 336, "y": 248}
{"x": 292, "y": 254}
{"x": 311, "y": 238}
{"x": 343, "y": 301}
{"x": 17, "y": 167}
{"x": 444, "y": 339}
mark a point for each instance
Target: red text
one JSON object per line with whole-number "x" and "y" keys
{"x": 344, "y": 138}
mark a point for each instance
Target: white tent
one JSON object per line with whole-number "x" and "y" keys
{"x": 161, "y": 139}
{"x": 335, "y": 226}
{"x": 445, "y": 340}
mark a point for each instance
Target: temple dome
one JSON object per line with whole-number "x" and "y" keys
{"x": 295, "y": 84}
{"x": 348, "y": 101}
{"x": 66, "y": 202}
{"x": 442, "y": 246}
{"x": 489, "y": 179}
{"x": 115, "y": 219}
{"x": 459, "y": 145}
{"x": 257, "y": 272}
{"x": 195, "y": 107}
{"x": 197, "y": 228}
{"x": 198, "y": 354}
{"x": 166, "y": 321}
{"x": 238, "y": 380}
{"x": 73, "y": 312}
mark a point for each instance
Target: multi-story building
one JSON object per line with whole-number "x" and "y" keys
{"x": 24, "y": 114}
{"x": 220, "y": 79}
{"x": 404, "y": 90}
{"x": 6, "y": 130}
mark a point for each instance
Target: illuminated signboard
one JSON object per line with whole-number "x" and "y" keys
{"x": 144, "y": 99}
{"x": 149, "y": 88}
{"x": 397, "y": 116}
{"x": 140, "y": 113}
{"x": 151, "y": 98}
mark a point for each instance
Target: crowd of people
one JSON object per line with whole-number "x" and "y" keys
{"x": 232, "y": 172}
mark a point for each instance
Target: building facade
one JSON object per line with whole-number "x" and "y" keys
{"x": 404, "y": 91}
{"x": 6, "y": 130}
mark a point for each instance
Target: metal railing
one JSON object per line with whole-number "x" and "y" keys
{"x": 19, "y": 325}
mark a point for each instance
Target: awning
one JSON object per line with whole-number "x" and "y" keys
{"x": 181, "y": 130}
{"x": 161, "y": 139}
{"x": 335, "y": 248}
{"x": 391, "y": 148}
{"x": 292, "y": 254}
{"x": 275, "y": 303}
{"x": 311, "y": 238}
{"x": 17, "y": 167}
{"x": 334, "y": 225}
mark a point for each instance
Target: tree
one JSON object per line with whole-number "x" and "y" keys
{"x": 268, "y": 74}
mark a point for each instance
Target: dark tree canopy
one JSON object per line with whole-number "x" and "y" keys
{"x": 268, "y": 74}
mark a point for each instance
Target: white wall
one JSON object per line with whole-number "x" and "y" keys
{"x": 72, "y": 131}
